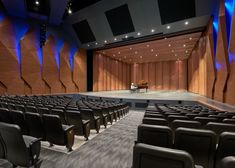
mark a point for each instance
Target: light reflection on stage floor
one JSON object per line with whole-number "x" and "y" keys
{"x": 161, "y": 95}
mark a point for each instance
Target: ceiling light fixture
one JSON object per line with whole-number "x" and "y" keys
{"x": 141, "y": 57}
{"x": 151, "y": 50}
{"x": 105, "y": 41}
{"x": 186, "y": 23}
{"x": 152, "y": 30}
{"x": 147, "y": 45}
{"x": 88, "y": 45}
{"x": 115, "y": 39}
{"x": 184, "y": 45}
{"x": 168, "y": 27}
{"x": 186, "y": 51}
{"x": 156, "y": 55}
{"x": 130, "y": 48}
{"x": 96, "y": 43}
{"x": 70, "y": 11}
{"x": 136, "y": 52}
{"x": 126, "y": 36}
{"x": 138, "y": 34}
{"x": 37, "y": 3}
{"x": 119, "y": 52}
{"x": 169, "y": 45}
{"x": 190, "y": 38}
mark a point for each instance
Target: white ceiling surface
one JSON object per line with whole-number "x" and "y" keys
{"x": 145, "y": 15}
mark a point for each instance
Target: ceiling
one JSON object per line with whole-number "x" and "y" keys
{"x": 166, "y": 49}
{"x": 99, "y": 23}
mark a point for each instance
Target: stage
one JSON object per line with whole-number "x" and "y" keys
{"x": 163, "y": 96}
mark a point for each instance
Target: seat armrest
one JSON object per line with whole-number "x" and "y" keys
{"x": 69, "y": 127}
{"x": 97, "y": 118}
{"x": 84, "y": 122}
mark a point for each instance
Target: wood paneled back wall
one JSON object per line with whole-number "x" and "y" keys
{"x": 27, "y": 69}
{"x": 110, "y": 74}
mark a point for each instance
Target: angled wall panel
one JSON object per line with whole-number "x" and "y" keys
{"x": 9, "y": 66}
{"x": 30, "y": 62}
{"x": 50, "y": 69}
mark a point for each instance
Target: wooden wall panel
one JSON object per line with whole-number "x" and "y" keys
{"x": 105, "y": 73}
{"x": 159, "y": 75}
{"x": 30, "y": 63}
{"x": 174, "y": 75}
{"x": 165, "y": 75}
{"x": 124, "y": 76}
{"x": 95, "y": 72}
{"x": 145, "y": 71}
{"x": 113, "y": 82}
{"x": 152, "y": 75}
{"x": 108, "y": 74}
{"x": 65, "y": 70}
{"x": 139, "y": 72}
{"x": 3, "y": 89}
{"x": 101, "y": 74}
{"x": 182, "y": 75}
{"x": 229, "y": 95}
{"x": 9, "y": 67}
{"x": 119, "y": 75}
{"x": 222, "y": 65}
{"x": 50, "y": 70}
{"x": 134, "y": 68}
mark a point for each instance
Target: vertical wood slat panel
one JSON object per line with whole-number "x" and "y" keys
{"x": 95, "y": 72}
{"x": 152, "y": 75}
{"x": 182, "y": 75}
{"x": 166, "y": 77}
{"x": 159, "y": 75}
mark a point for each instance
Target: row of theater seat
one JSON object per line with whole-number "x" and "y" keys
{"x": 54, "y": 119}
{"x": 196, "y": 140}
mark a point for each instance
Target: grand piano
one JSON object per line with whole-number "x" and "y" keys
{"x": 142, "y": 85}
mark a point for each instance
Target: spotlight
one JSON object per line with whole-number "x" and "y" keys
{"x": 115, "y": 39}
{"x": 186, "y": 23}
{"x": 168, "y": 27}
{"x": 37, "y": 3}
{"x": 152, "y": 30}
{"x": 70, "y": 11}
{"x": 138, "y": 34}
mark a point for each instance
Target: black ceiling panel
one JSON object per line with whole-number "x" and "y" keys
{"x": 120, "y": 20}
{"x": 43, "y": 8}
{"x": 81, "y": 4}
{"x": 84, "y": 32}
{"x": 175, "y": 10}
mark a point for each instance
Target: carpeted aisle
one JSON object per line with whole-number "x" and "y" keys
{"x": 110, "y": 149}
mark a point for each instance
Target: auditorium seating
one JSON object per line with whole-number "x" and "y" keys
{"x": 28, "y": 148}
{"x": 196, "y": 134}
{"x": 148, "y": 156}
{"x": 155, "y": 135}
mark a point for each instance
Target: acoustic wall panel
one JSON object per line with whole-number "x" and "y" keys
{"x": 165, "y": 75}
{"x": 50, "y": 69}
{"x": 101, "y": 73}
{"x": 66, "y": 77}
{"x": 182, "y": 75}
{"x": 159, "y": 75}
{"x": 222, "y": 65}
{"x": 174, "y": 75}
{"x": 30, "y": 62}
{"x": 10, "y": 75}
{"x": 152, "y": 75}
{"x": 95, "y": 72}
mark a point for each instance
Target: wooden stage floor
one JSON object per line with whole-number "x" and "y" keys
{"x": 161, "y": 95}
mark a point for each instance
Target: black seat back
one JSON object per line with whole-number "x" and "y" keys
{"x": 148, "y": 156}
{"x": 60, "y": 113}
{"x": 226, "y": 146}
{"x": 185, "y": 123}
{"x": 205, "y": 120}
{"x": 5, "y": 116}
{"x": 155, "y": 121}
{"x": 18, "y": 118}
{"x": 53, "y": 127}
{"x": 155, "y": 135}
{"x": 201, "y": 144}
{"x": 43, "y": 110}
{"x": 20, "y": 107}
{"x": 75, "y": 118}
{"x": 227, "y": 162}
{"x": 31, "y": 109}
{"x": 35, "y": 125}
{"x": 13, "y": 139}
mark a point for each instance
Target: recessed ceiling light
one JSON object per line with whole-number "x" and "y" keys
{"x": 165, "y": 38}
{"x": 130, "y": 48}
{"x": 119, "y": 52}
{"x": 126, "y": 36}
{"x": 172, "y": 51}
{"x": 186, "y": 23}
{"x": 176, "y": 55}
{"x": 114, "y": 55}
{"x": 190, "y": 38}
{"x": 168, "y": 27}
{"x": 156, "y": 55}
{"x": 141, "y": 57}
{"x": 115, "y": 39}
{"x": 147, "y": 45}
{"x": 105, "y": 41}
{"x": 103, "y": 52}
{"x": 152, "y": 30}
{"x": 88, "y": 45}
{"x": 138, "y": 34}
{"x": 96, "y": 43}
{"x": 136, "y": 52}
{"x": 37, "y": 3}
{"x": 151, "y": 50}
{"x": 70, "y": 11}
{"x": 184, "y": 45}
{"x": 169, "y": 45}
{"x": 186, "y": 51}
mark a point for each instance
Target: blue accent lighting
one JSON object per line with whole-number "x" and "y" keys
{"x": 217, "y": 66}
{"x": 59, "y": 44}
{"x": 229, "y": 9}
{"x": 73, "y": 50}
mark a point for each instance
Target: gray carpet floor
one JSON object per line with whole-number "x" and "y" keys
{"x": 113, "y": 148}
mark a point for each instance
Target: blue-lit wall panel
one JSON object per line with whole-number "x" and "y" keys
{"x": 59, "y": 44}
{"x": 71, "y": 57}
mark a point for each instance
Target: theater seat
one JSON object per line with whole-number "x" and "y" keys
{"x": 60, "y": 113}
{"x": 43, "y": 110}
{"x": 20, "y": 150}
{"x": 229, "y": 121}
{"x": 155, "y": 135}
{"x": 31, "y": 109}
{"x": 56, "y": 133}
{"x": 227, "y": 162}
{"x": 18, "y": 118}
{"x": 171, "y": 118}
{"x": 148, "y": 156}
{"x": 154, "y": 115}
{"x": 35, "y": 125}
{"x": 155, "y": 121}
{"x": 82, "y": 127}
{"x": 205, "y": 120}
{"x": 185, "y": 123}
{"x": 87, "y": 114}
{"x": 201, "y": 144}
{"x": 226, "y": 147}
{"x": 5, "y": 115}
